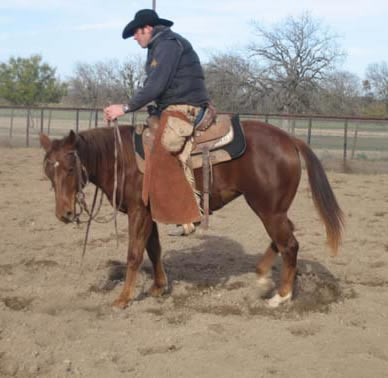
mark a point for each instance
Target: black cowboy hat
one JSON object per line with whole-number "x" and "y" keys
{"x": 142, "y": 18}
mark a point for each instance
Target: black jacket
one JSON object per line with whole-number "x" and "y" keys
{"x": 174, "y": 73}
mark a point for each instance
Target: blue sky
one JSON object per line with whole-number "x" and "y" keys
{"x": 65, "y": 32}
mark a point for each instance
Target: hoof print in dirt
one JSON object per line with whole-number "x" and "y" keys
{"x": 17, "y": 303}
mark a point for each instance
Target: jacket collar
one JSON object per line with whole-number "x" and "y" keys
{"x": 156, "y": 33}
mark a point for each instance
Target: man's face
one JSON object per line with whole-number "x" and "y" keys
{"x": 143, "y": 36}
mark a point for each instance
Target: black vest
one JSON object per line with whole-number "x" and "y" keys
{"x": 187, "y": 83}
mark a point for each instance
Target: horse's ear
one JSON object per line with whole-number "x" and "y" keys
{"x": 71, "y": 138}
{"x": 45, "y": 142}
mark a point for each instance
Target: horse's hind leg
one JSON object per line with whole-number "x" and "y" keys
{"x": 264, "y": 265}
{"x": 280, "y": 229}
{"x": 154, "y": 251}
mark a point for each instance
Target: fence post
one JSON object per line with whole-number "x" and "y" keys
{"x": 11, "y": 125}
{"x": 90, "y": 118}
{"x": 41, "y": 119}
{"x": 96, "y": 118}
{"x": 309, "y": 131}
{"x": 77, "y": 120}
{"x": 49, "y": 122}
{"x": 28, "y": 127}
{"x": 266, "y": 118}
{"x": 345, "y": 138}
{"x": 355, "y": 137}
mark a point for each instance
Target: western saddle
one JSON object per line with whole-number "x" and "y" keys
{"x": 217, "y": 138}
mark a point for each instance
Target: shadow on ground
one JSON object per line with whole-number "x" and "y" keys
{"x": 219, "y": 268}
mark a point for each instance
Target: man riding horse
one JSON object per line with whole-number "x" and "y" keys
{"x": 175, "y": 82}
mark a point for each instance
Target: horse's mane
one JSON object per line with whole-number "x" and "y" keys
{"x": 96, "y": 146}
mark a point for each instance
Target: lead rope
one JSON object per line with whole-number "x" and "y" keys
{"x": 88, "y": 225}
{"x": 82, "y": 203}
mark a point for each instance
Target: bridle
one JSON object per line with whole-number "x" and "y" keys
{"x": 82, "y": 179}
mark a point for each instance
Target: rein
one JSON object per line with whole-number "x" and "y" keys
{"x": 116, "y": 133}
{"x": 80, "y": 196}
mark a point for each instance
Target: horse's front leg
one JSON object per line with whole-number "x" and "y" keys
{"x": 139, "y": 229}
{"x": 154, "y": 251}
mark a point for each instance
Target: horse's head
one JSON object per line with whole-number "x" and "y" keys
{"x": 66, "y": 173}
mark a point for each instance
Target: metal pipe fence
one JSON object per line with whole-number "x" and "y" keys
{"x": 329, "y": 136}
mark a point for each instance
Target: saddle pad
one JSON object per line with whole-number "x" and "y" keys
{"x": 222, "y": 152}
{"x": 218, "y": 154}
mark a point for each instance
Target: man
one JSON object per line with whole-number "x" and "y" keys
{"x": 175, "y": 81}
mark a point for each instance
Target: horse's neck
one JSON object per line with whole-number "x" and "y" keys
{"x": 100, "y": 164}
{"x": 95, "y": 161}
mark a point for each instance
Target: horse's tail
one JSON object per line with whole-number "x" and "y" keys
{"x": 323, "y": 196}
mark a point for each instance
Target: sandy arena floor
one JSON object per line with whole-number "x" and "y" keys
{"x": 56, "y": 320}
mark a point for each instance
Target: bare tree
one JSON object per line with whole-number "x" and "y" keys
{"x": 339, "y": 94}
{"x": 232, "y": 83}
{"x": 133, "y": 75}
{"x": 84, "y": 86}
{"x": 106, "y": 82}
{"x": 377, "y": 81}
{"x": 296, "y": 56}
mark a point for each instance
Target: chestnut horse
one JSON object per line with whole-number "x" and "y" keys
{"x": 267, "y": 175}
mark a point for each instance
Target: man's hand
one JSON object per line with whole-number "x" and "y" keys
{"x": 112, "y": 112}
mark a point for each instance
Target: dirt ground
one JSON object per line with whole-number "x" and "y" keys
{"x": 56, "y": 319}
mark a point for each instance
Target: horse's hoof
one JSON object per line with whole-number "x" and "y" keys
{"x": 265, "y": 283}
{"x": 157, "y": 291}
{"x": 277, "y": 300}
{"x": 120, "y": 304}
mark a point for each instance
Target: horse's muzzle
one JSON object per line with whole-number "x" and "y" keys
{"x": 67, "y": 217}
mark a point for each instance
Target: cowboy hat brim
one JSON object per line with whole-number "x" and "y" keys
{"x": 130, "y": 29}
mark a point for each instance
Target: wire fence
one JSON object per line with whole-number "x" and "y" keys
{"x": 330, "y": 137}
